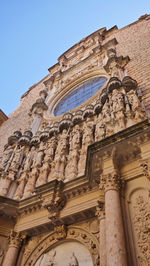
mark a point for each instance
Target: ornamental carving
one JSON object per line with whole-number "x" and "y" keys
{"x": 141, "y": 222}
{"x": 110, "y": 181}
{"x": 73, "y": 234}
{"x": 15, "y": 239}
{"x": 100, "y": 210}
{"x": 145, "y": 165}
{"x": 55, "y": 204}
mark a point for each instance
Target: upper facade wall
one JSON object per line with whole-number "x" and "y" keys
{"x": 133, "y": 41}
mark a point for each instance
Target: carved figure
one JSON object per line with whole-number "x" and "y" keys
{"x": 17, "y": 159}
{"x": 37, "y": 163}
{"x": 75, "y": 138}
{"x": 48, "y": 158}
{"x": 100, "y": 128}
{"x": 50, "y": 149}
{"x": 29, "y": 159}
{"x": 38, "y": 156}
{"x": 60, "y": 156}
{"x": 108, "y": 118}
{"x": 29, "y": 188}
{"x": 8, "y": 151}
{"x": 136, "y": 106}
{"x": 73, "y": 261}
{"x": 25, "y": 173}
{"x": 117, "y": 101}
{"x": 133, "y": 100}
{"x": 115, "y": 70}
{"x": 86, "y": 141}
{"x": 118, "y": 108}
{"x": 71, "y": 170}
{"x": 87, "y": 134}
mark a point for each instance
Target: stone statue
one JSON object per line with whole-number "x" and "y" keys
{"x": 71, "y": 170}
{"x": 33, "y": 175}
{"x": 87, "y": 134}
{"x": 38, "y": 156}
{"x": 73, "y": 261}
{"x": 29, "y": 159}
{"x": 8, "y": 151}
{"x": 50, "y": 149}
{"x": 87, "y": 140}
{"x": 17, "y": 159}
{"x": 48, "y": 159}
{"x": 75, "y": 136}
{"x": 25, "y": 173}
{"x": 115, "y": 70}
{"x": 135, "y": 103}
{"x": 118, "y": 107}
{"x": 100, "y": 128}
{"x": 108, "y": 118}
{"x": 60, "y": 157}
{"x": 117, "y": 101}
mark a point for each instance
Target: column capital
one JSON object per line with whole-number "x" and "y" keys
{"x": 110, "y": 181}
{"x": 15, "y": 239}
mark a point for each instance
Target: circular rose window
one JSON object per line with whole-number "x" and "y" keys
{"x": 79, "y": 95}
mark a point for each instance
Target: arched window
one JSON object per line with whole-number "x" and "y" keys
{"x": 79, "y": 95}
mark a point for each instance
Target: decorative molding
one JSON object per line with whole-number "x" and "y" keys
{"x": 73, "y": 233}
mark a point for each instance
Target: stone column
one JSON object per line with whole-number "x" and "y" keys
{"x": 115, "y": 241}
{"x": 15, "y": 241}
{"x": 102, "y": 234}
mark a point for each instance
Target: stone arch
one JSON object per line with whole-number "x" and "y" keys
{"x": 57, "y": 237}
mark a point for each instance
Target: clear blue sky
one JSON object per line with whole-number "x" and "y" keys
{"x": 34, "y": 33}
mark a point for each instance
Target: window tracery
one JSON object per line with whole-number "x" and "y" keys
{"x": 79, "y": 95}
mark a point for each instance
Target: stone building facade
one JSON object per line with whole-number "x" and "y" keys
{"x": 75, "y": 162}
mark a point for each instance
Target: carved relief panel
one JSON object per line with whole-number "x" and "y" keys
{"x": 69, "y": 253}
{"x": 139, "y": 207}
